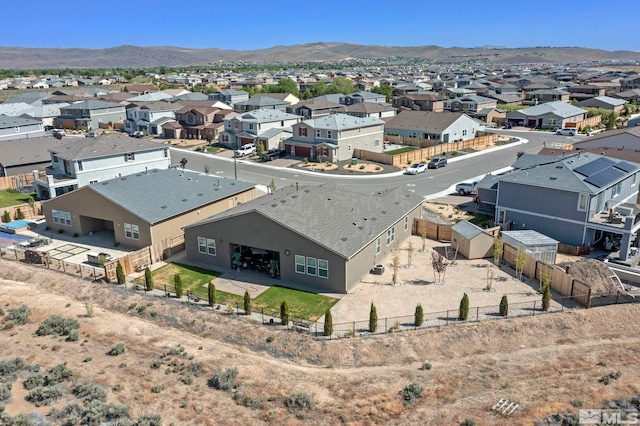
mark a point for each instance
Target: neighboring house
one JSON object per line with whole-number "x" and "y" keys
{"x": 287, "y": 97}
{"x": 505, "y": 99}
{"x": 19, "y": 128}
{"x": 150, "y": 97}
{"x": 456, "y": 92}
{"x": 315, "y": 108}
{"x": 244, "y": 128}
{"x": 491, "y": 115}
{"x": 135, "y": 214}
{"x": 550, "y": 115}
{"x": 629, "y": 95}
{"x": 580, "y": 92}
{"x": 634, "y": 122}
{"x": 370, "y": 109}
{"x": 261, "y": 102}
{"x": 79, "y": 162}
{"x": 88, "y": 115}
{"x": 631, "y": 82}
{"x": 199, "y": 122}
{"x": 418, "y": 102}
{"x": 141, "y": 117}
{"x": 359, "y": 97}
{"x": 542, "y": 96}
{"x": 320, "y": 238}
{"x": 573, "y": 199}
{"x": 441, "y": 126}
{"x": 230, "y": 96}
{"x": 139, "y": 89}
{"x": 604, "y": 102}
{"x": 628, "y": 137}
{"x": 469, "y": 104}
{"x": 335, "y": 137}
{"x": 26, "y": 155}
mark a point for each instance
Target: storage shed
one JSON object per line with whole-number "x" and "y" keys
{"x": 535, "y": 244}
{"x": 471, "y": 241}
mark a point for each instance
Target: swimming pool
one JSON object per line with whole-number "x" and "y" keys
{"x": 8, "y": 240}
{"x": 17, "y": 226}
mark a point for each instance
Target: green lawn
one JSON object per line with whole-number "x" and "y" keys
{"x": 11, "y": 197}
{"x": 401, "y": 150}
{"x": 302, "y": 305}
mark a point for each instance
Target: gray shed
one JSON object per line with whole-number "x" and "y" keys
{"x": 471, "y": 241}
{"x": 535, "y": 244}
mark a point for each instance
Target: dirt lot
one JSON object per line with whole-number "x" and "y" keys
{"x": 544, "y": 363}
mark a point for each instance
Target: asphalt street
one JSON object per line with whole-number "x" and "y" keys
{"x": 462, "y": 168}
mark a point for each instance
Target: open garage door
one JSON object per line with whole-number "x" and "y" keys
{"x": 257, "y": 259}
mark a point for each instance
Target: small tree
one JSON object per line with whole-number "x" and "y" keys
{"x": 395, "y": 264}
{"x": 328, "y": 323}
{"x": 419, "y": 316}
{"x": 259, "y": 149}
{"x": 504, "y": 306}
{"x": 212, "y": 294}
{"x": 497, "y": 250}
{"x": 19, "y": 215}
{"x": 148, "y": 279}
{"x": 32, "y": 205}
{"x": 247, "y": 303}
{"x": 120, "y": 274}
{"x": 463, "y": 312}
{"x": 272, "y": 186}
{"x": 545, "y": 279}
{"x": 423, "y": 236}
{"x": 521, "y": 259}
{"x": 439, "y": 264}
{"x": 373, "y": 319}
{"x": 6, "y": 217}
{"x": 177, "y": 285}
{"x": 409, "y": 253}
{"x": 284, "y": 312}
{"x": 546, "y": 297}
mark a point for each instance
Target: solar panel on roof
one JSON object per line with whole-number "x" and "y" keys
{"x": 626, "y": 167}
{"x": 604, "y": 177}
{"x": 593, "y": 167}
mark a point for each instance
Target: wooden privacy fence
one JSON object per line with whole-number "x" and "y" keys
{"x": 26, "y": 209}
{"x": 587, "y": 122}
{"x": 133, "y": 262}
{"x": 573, "y": 250}
{"x": 430, "y": 149}
{"x": 433, "y": 231}
{"x": 21, "y": 181}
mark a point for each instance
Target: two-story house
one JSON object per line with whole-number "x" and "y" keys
{"x": 358, "y": 97}
{"x": 581, "y": 199}
{"x": 418, "y": 102}
{"x": 87, "y": 115}
{"x": 261, "y": 102}
{"x": 580, "y": 92}
{"x": 230, "y": 96}
{"x": 604, "y": 102}
{"x": 370, "y": 109}
{"x": 244, "y": 128}
{"x": 315, "y": 108}
{"x": 469, "y": 104}
{"x": 148, "y": 117}
{"x": 335, "y": 137}
{"x": 19, "y": 128}
{"x": 88, "y": 160}
{"x": 541, "y": 96}
{"x": 200, "y": 122}
{"x": 441, "y": 126}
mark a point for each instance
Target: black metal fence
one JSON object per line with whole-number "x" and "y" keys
{"x": 81, "y": 270}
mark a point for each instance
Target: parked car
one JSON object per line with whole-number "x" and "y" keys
{"x": 245, "y": 150}
{"x": 466, "y": 188}
{"x": 437, "y": 162}
{"x": 137, "y": 134}
{"x": 60, "y": 132}
{"x": 566, "y": 132}
{"x": 272, "y": 154}
{"x": 91, "y": 135}
{"x": 416, "y": 168}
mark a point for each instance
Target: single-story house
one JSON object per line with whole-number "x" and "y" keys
{"x": 604, "y": 102}
{"x": 549, "y": 115}
{"x": 318, "y": 238}
{"x": 442, "y": 126}
{"x": 145, "y": 209}
{"x": 26, "y": 155}
{"x": 19, "y": 128}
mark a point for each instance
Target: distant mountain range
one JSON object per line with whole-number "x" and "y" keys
{"x": 141, "y": 57}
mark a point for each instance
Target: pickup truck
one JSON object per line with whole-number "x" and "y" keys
{"x": 466, "y": 188}
{"x": 272, "y": 154}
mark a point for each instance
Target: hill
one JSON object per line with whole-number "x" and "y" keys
{"x": 545, "y": 363}
{"x": 137, "y": 57}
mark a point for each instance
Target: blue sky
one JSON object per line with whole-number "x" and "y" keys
{"x": 249, "y": 24}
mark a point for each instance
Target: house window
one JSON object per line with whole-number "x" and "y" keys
{"x": 615, "y": 191}
{"x": 377, "y": 142}
{"x": 378, "y": 245}
{"x": 359, "y": 129}
{"x": 633, "y": 178}
{"x": 93, "y": 181}
{"x": 502, "y": 215}
{"x": 312, "y": 263}
{"x": 302, "y": 131}
{"x": 406, "y": 223}
{"x": 317, "y": 133}
{"x": 131, "y": 231}
{"x": 80, "y": 165}
{"x": 553, "y": 121}
{"x": 207, "y": 246}
{"x": 391, "y": 235}
{"x": 329, "y": 134}
{"x": 55, "y": 158}
{"x": 582, "y": 202}
{"x": 300, "y": 264}
{"x": 166, "y": 153}
{"x": 60, "y": 217}
{"x": 323, "y": 268}
{"x": 349, "y": 147}
{"x": 129, "y": 156}
{"x": 464, "y": 132}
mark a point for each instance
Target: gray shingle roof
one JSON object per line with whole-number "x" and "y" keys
{"x": 342, "y": 221}
{"x": 7, "y": 122}
{"x": 423, "y": 120}
{"x": 92, "y": 104}
{"x": 558, "y": 108}
{"x": 27, "y": 151}
{"x": 467, "y": 229}
{"x": 161, "y": 194}
{"x": 266, "y": 115}
{"x": 103, "y": 146}
{"x": 342, "y": 122}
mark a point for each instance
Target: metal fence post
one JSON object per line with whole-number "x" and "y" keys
{"x": 477, "y": 313}
{"x": 237, "y": 309}
{"x": 386, "y": 329}
{"x": 262, "y": 309}
{"x": 617, "y": 296}
{"x": 533, "y": 314}
{"x": 447, "y": 320}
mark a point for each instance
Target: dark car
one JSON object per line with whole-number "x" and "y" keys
{"x": 272, "y": 154}
{"x": 437, "y": 162}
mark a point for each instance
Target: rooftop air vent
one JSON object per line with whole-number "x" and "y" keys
{"x": 383, "y": 212}
{"x": 344, "y": 239}
{"x": 124, "y": 178}
{"x": 283, "y": 201}
{"x": 274, "y": 205}
{"x": 558, "y": 167}
{"x": 200, "y": 194}
{"x": 361, "y": 227}
{"x": 553, "y": 178}
{"x": 184, "y": 200}
{"x": 163, "y": 207}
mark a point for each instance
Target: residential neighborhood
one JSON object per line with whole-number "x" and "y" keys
{"x": 374, "y": 198}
